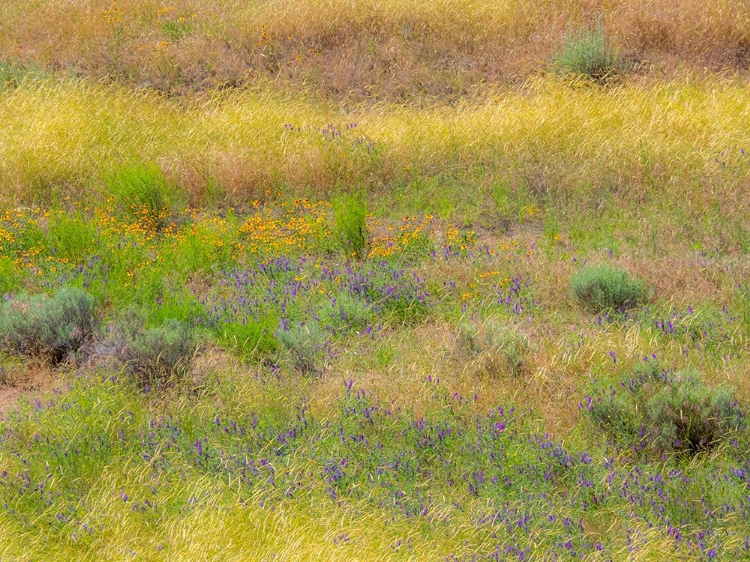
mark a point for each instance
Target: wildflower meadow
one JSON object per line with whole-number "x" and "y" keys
{"x": 360, "y": 280}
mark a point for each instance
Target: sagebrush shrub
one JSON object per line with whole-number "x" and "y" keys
{"x": 605, "y": 287}
{"x": 346, "y": 312}
{"x": 497, "y": 348}
{"x": 587, "y": 54}
{"x": 160, "y": 356}
{"x": 652, "y": 408}
{"x": 305, "y": 345}
{"x": 48, "y": 327}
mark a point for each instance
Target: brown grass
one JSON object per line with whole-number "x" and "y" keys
{"x": 360, "y": 49}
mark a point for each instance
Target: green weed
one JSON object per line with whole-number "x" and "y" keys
{"x": 142, "y": 192}
{"x": 350, "y": 226}
{"x": 177, "y": 30}
{"x": 72, "y": 237}
{"x": 11, "y": 276}
{"x": 251, "y": 340}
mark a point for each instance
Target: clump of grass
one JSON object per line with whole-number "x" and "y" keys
{"x": 142, "y": 192}
{"x": 605, "y": 287}
{"x": 50, "y": 328}
{"x": 665, "y": 411}
{"x": 250, "y": 339}
{"x": 587, "y": 54}
{"x": 158, "y": 357}
{"x": 350, "y": 224}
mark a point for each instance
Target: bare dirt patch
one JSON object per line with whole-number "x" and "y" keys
{"x": 24, "y": 381}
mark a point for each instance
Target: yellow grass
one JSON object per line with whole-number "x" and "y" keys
{"x": 62, "y": 139}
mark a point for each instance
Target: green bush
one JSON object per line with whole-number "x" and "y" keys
{"x": 350, "y": 224}
{"x": 664, "y": 411}
{"x": 49, "y": 328}
{"x": 142, "y": 192}
{"x": 605, "y": 287}
{"x": 158, "y": 357}
{"x": 586, "y": 54}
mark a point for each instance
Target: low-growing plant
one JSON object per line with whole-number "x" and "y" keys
{"x": 202, "y": 250}
{"x": 12, "y": 369}
{"x": 158, "y": 357}
{"x": 392, "y": 291}
{"x": 48, "y": 327}
{"x": 350, "y": 224}
{"x": 14, "y": 74}
{"x": 587, "y": 54}
{"x": 176, "y": 30}
{"x": 606, "y": 288}
{"x": 664, "y": 411}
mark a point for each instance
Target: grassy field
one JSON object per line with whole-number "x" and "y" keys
{"x": 374, "y": 281}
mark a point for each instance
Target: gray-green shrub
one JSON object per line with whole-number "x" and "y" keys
{"x": 50, "y": 328}
{"x": 305, "y": 345}
{"x": 664, "y": 411}
{"x": 497, "y": 348}
{"x": 586, "y": 53}
{"x": 604, "y": 287}
{"x": 160, "y": 356}
{"x": 346, "y": 312}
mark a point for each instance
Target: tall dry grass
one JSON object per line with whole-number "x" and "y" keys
{"x": 678, "y": 142}
{"x": 360, "y": 49}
